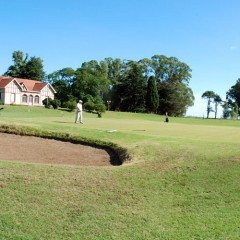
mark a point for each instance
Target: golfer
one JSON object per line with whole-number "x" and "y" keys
{"x": 79, "y": 116}
{"x": 166, "y": 120}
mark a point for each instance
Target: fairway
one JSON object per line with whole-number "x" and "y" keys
{"x": 180, "y": 180}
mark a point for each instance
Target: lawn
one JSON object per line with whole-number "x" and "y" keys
{"x": 182, "y": 181}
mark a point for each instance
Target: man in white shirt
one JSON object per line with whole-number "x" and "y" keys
{"x": 79, "y": 117}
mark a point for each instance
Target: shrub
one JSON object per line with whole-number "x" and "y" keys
{"x": 89, "y": 106}
{"x": 55, "y": 103}
{"x": 100, "y": 107}
{"x": 47, "y": 102}
{"x": 71, "y": 105}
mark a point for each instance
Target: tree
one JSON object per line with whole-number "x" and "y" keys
{"x": 147, "y": 65}
{"x": 209, "y": 95}
{"x": 34, "y": 69}
{"x": 90, "y": 82}
{"x": 19, "y": 62}
{"x": 226, "y": 111}
{"x": 233, "y": 94}
{"x": 124, "y": 83}
{"x": 234, "y": 110}
{"x": 63, "y": 91}
{"x": 23, "y": 67}
{"x": 170, "y": 69}
{"x": 129, "y": 93}
{"x": 115, "y": 68}
{"x": 173, "y": 77}
{"x": 217, "y": 100}
{"x": 152, "y": 98}
{"x": 62, "y": 81}
{"x": 65, "y": 74}
{"x": 174, "y": 98}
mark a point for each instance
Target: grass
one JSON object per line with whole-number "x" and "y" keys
{"x": 181, "y": 183}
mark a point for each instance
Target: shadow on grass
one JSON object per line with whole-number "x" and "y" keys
{"x": 65, "y": 110}
{"x": 62, "y": 122}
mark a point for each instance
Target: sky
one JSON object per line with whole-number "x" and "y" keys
{"x": 204, "y": 34}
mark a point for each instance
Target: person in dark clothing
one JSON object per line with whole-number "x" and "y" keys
{"x": 166, "y": 120}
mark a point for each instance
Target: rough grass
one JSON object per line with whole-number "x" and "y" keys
{"x": 182, "y": 181}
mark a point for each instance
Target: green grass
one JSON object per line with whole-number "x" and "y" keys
{"x": 181, "y": 183}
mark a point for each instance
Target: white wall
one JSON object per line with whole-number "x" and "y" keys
{"x": 13, "y": 88}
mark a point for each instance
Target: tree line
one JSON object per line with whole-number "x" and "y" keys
{"x": 231, "y": 106}
{"x": 158, "y": 84}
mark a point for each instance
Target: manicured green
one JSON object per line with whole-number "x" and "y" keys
{"x": 182, "y": 181}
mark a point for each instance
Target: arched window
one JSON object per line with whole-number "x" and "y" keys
{"x": 24, "y": 98}
{"x": 30, "y": 99}
{"x": 36, "y": 100}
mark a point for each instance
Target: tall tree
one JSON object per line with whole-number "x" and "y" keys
{"x": 115, "y": 68}
{"x": 66, "y": 74}
{"x": 217, "y": 100}
{"x": 152, "y": 98}
{"x": 19, "y": 63}
{"x": 233, "y": 94}
{"x": 131, "y": 89}
{"x": 62, "y": 81}
{"x": 63, "y": 92}
{"x": 90, "y": 82}
{"x": 174, "y": 98}
{"x": 23, "y": 67}
{"x": 226, "y": 110}
{"x": 172, "y": 77}
{"x": 147, "y": 65}
{"x": 234, "y": 110}
{"x": 34, "y": 69}
{"x": 209, "y": 95}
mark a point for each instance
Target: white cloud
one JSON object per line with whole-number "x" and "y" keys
{"x": 232, "y": 48}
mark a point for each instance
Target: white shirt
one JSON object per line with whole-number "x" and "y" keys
{"x": 79, "y": 107}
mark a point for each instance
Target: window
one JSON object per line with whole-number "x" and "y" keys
{"x": 24, "y": 98}
{"x": 36, "y": 99}
{"x": 31, "y": 99}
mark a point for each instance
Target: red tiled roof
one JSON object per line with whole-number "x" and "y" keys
{"x": 31, "y": 85}
{"x": 39, "y": 86}
{"x": 4, "y": 81}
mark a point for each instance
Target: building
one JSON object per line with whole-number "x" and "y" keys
{"x": 24, "y": 91}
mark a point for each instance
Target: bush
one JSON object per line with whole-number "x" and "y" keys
{"x": 100, "y": 107}
{"x": 47, "y": 102}
{"x": 71, "y": 105}
{"x": 55, "y": 103}
{"x": 89, "y": 106}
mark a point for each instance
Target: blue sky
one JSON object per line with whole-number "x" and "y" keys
{"x": 205, "y": 34}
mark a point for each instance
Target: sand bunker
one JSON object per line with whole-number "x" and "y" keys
{"x": 40, "y": 150}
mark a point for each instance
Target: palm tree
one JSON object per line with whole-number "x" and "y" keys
{"x": 217, "y": 100}
{"x": 208, "y": 95}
